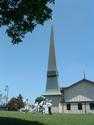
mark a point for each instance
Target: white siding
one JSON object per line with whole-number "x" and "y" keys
{"x": 83, "y": 91}
{"x": 74, "y": 108}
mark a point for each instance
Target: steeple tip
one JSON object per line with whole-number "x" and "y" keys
{"x": 52, "y": 19}
{"x": 52, "y": 57}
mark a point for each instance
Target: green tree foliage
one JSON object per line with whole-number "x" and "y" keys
{"x": 22, "y": 16}
{"x": 39, "y": 99}
{"x": 15, "y": 103}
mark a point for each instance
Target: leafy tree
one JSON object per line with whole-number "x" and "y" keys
{"x": 15, "y": 103}
{"x": 20, "y": 98}
{"x": 2, "y": 106}
{"x": 22, "y": 16}
{"x": 39, "y": 99}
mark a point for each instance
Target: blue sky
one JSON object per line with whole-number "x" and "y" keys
{"x": 23, "y": 67}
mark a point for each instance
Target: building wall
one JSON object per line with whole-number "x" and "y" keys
{"x": 74, "y": 108}
{"x": 56, "y": 99}
{"x": 80, "y": 92}
{"x": 83, "y": 93}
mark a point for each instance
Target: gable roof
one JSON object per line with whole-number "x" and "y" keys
{"x": 82, "y": 80}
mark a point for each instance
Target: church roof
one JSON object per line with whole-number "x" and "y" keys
{"x": 79, "y": 82}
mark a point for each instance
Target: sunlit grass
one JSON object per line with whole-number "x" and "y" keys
{"x": 15, "y": 118}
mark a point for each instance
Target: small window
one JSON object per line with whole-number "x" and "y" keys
{"x": 68, "y": 107}
{"x": 91, "y": 106}
{"x": 79, "y": 106}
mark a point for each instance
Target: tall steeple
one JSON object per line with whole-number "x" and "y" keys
{"x": 52, "y": 57}
{"x": 52, "y": 73}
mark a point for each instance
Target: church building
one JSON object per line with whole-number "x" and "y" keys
{"x": 77, "y": 98}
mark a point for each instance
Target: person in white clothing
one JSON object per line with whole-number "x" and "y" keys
{"x": 49, "y": 104}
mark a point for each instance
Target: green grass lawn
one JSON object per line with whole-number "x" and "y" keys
{"x": 16, "y": 118}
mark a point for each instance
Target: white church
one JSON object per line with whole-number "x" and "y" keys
{"x": 78, "y": 98}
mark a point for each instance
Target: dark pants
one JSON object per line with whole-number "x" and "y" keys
{"x": 49, "y": 110}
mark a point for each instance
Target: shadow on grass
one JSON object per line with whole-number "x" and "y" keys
{"x": 15, "y": 121}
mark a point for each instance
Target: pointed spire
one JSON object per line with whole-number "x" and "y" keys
{"x": 52, "y": 57}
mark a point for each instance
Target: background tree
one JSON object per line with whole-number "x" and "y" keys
{"x": 15, "y": 103}
{"x": 39, "y": 99}
{"x": 22, "y": 16}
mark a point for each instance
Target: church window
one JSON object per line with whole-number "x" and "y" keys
{"x": 91, "y": 106}
{"x": 79, "y": 106}
{"x": 68, "y": 107}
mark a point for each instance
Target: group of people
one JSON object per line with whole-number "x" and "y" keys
{"x": 44, "y": 107}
